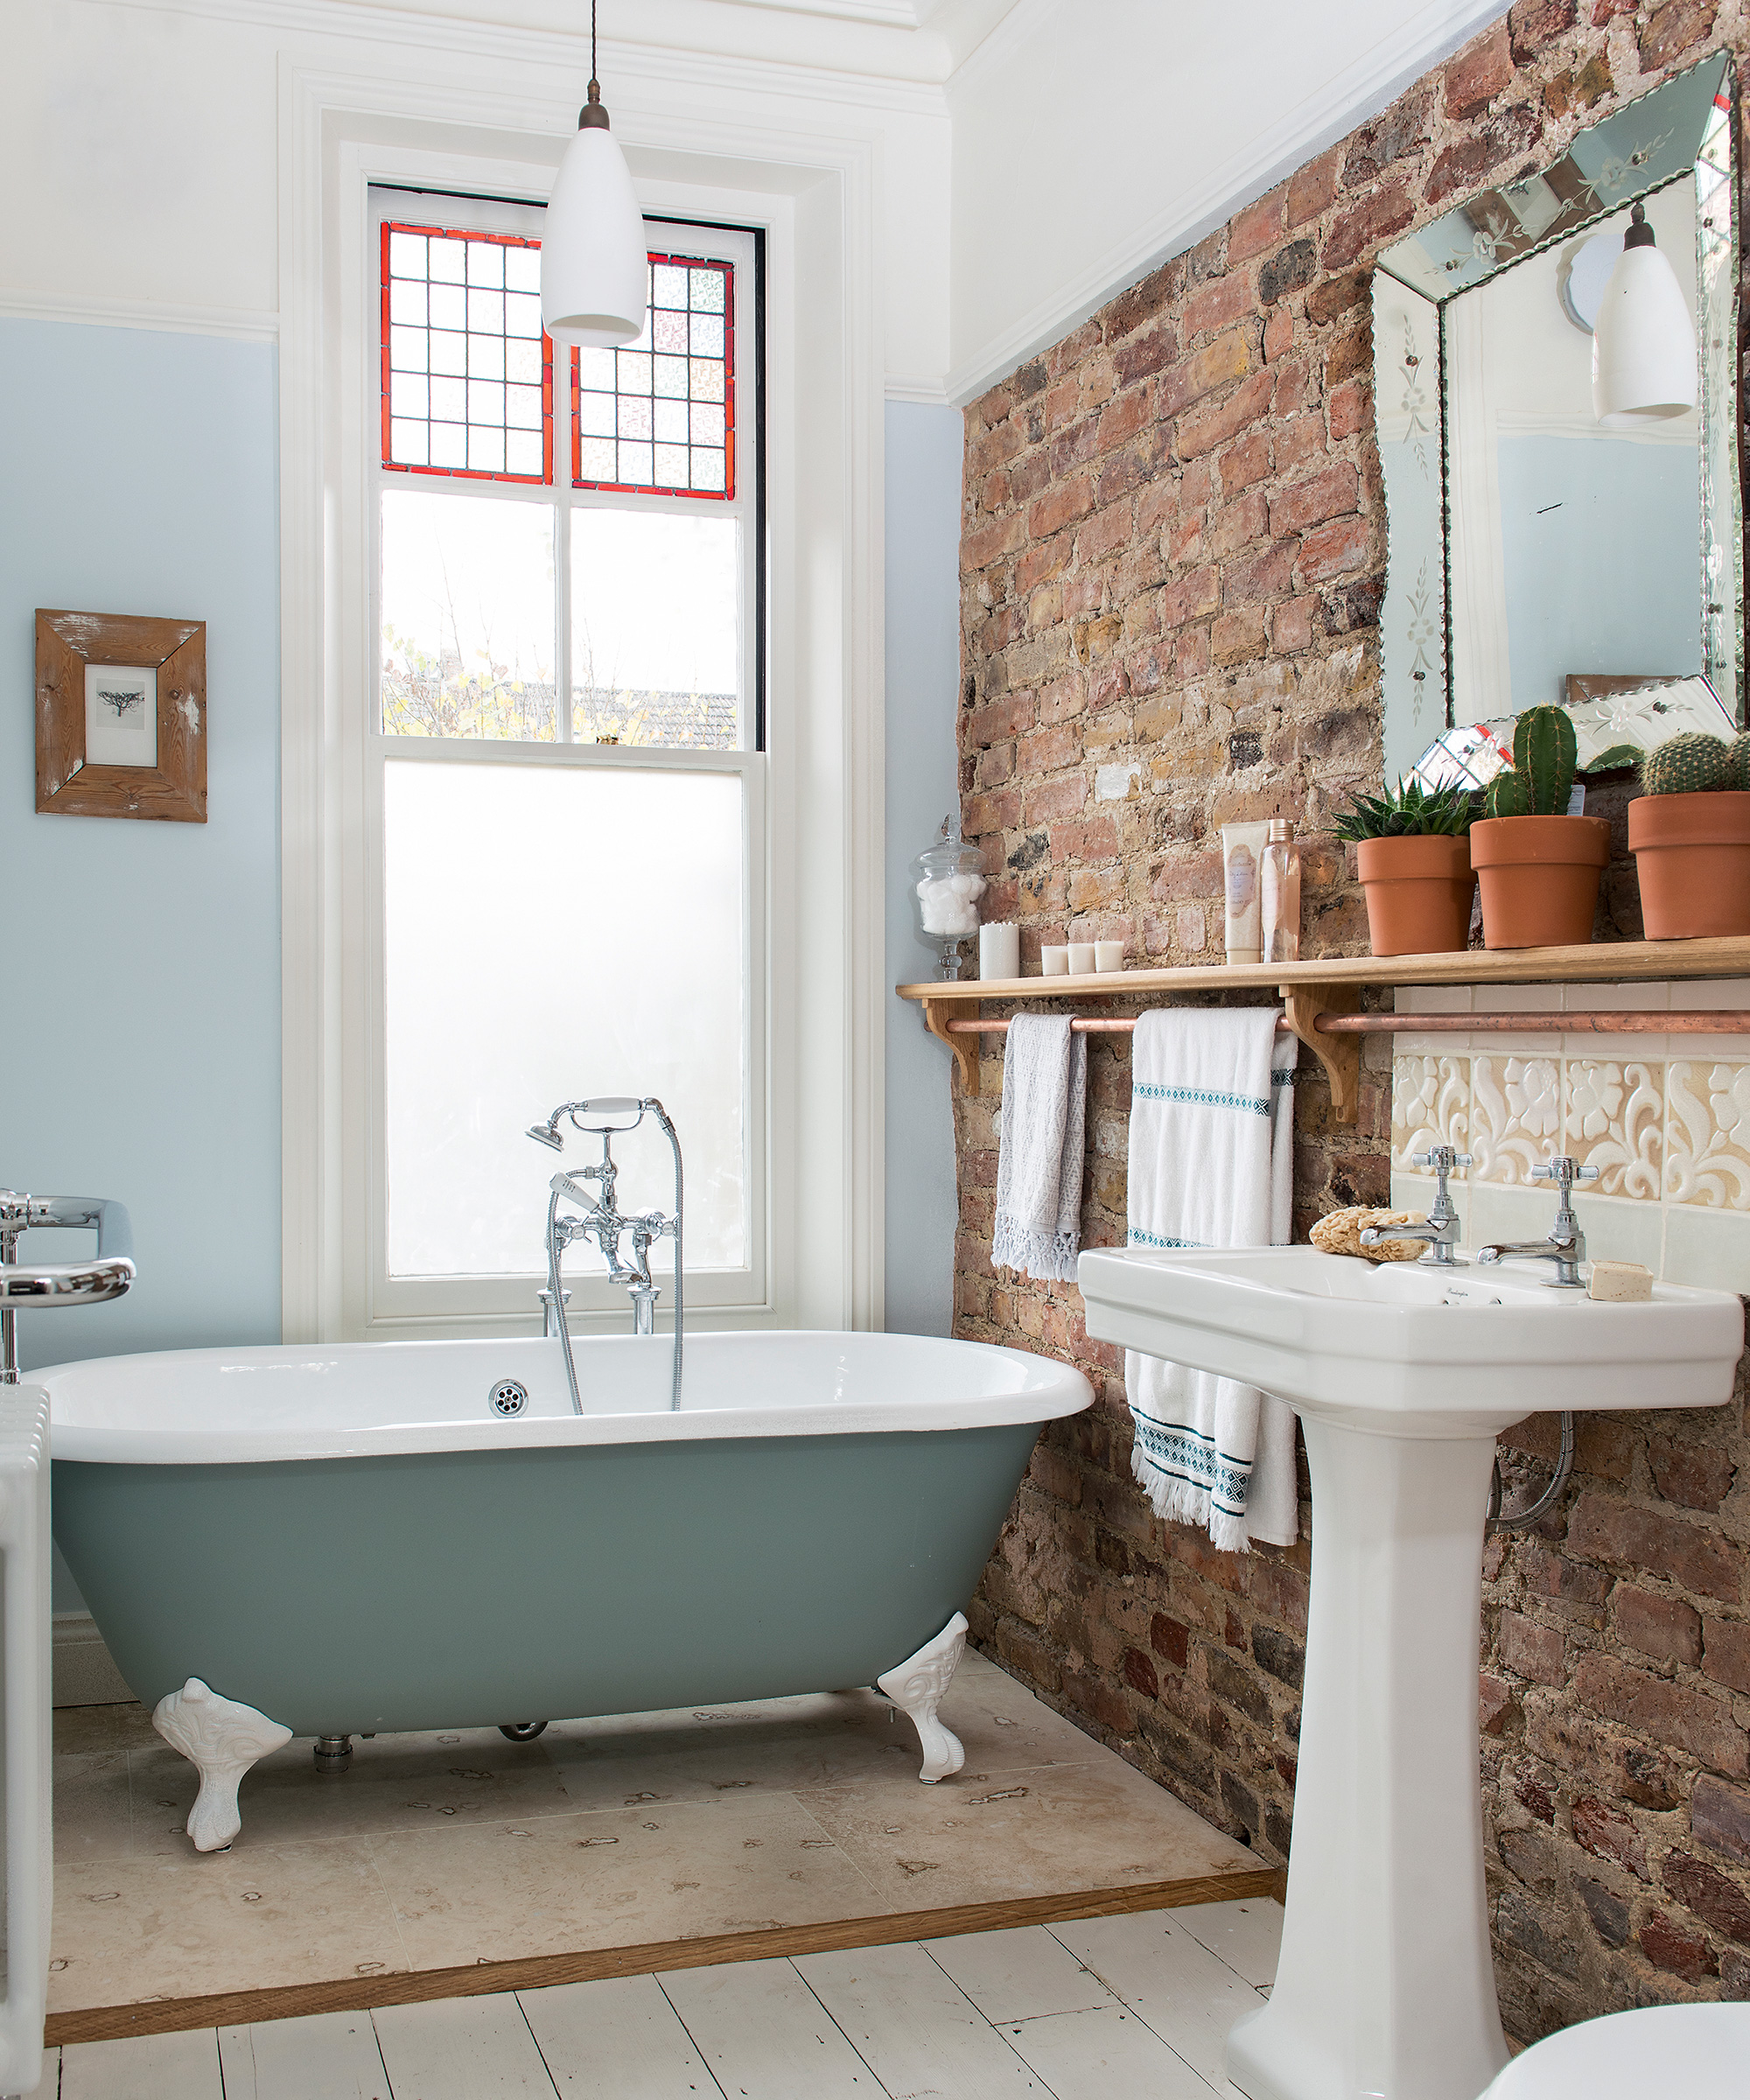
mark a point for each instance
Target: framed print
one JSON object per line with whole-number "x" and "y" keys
{"x": 121, "y": 717}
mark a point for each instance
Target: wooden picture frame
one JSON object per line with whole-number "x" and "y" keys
{"x": 121, "y": 717}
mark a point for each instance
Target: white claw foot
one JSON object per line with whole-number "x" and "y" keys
{"x": 919, "y": 1687}
{"x": 222, "y": 1739}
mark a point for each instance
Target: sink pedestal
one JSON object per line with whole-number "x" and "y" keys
{"x": 1385, "y": 1985}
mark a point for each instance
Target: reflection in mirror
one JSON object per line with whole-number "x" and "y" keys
{"x": 1538, "y": 550}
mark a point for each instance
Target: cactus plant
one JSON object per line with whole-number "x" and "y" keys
{"x": 1738, "y": 752}
{"x": 1544, "y": 750}
{"x": 1693, "y": 763}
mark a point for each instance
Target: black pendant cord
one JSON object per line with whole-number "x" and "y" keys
{"x": 592, "y": 114}
{"x": 595, "y": 85}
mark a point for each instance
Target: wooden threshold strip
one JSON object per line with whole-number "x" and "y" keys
{"x": 533, "y": 1972}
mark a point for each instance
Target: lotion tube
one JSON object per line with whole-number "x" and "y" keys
{"x": 1242, "y": 849}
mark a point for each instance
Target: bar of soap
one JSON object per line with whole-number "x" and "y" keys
{"x": 1621, "y": 1283}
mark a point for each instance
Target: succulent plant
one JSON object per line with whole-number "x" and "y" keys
{"x": 1544, "y": 749}
{"x": 1739, "y": 752}
{"x": 1407, "y": 811}
{"x": 1619, "y": 754}
{"x": 1693, "y": 763}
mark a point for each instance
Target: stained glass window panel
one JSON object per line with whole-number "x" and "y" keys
{"x": 466, "y": 372}
{"x": 658, "y": 417}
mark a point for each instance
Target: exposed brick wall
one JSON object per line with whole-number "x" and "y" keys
{"x": 1172, "y": 568}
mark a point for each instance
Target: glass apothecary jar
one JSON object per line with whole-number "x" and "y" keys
{"x": 946, "y": 887}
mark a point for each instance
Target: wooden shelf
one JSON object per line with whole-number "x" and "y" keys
{"x": 1334, "y": 985}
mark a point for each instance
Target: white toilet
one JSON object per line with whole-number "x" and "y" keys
{"x": 1694, "y": 2052}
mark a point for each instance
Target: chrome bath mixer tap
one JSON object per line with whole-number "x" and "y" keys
{"x": 600, "y": 1219}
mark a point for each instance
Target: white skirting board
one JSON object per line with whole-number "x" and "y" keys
{"x": 84, "y": 1673}
{"x": 25, "y": 1721}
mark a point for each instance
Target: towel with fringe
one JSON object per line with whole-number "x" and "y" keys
{"x": 1039, "y": 1148}
{"x": 1211, "y": 1164}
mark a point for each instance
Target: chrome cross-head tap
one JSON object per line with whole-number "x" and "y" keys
{"x": 1566, "y": 1246}
{"x": 1441, "y": 1231}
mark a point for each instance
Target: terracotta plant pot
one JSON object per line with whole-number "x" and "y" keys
{"x": 1693, "y": 852}
{"x": 1418, "y": 893}
{"x": 1539, "y": 877}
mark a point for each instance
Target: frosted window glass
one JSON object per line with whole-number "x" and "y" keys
{"x": 656, "y": 629}
{"x": 467, "y": 614}
{"x": 553, "y": 932}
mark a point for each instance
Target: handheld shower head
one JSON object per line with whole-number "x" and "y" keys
{"x": 543, "y": 1133}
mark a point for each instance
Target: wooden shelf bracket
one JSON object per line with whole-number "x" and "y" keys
{"x": 1340, "y": 1054}
{"x": 937, "y": 1015}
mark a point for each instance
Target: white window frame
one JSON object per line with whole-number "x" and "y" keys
{"x": 391, "y": 1303}
{"x": 812, "y": 195}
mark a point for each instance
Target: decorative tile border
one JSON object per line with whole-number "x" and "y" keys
{"x": 1667, "y": 1124}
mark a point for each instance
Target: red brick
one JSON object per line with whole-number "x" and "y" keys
{"x": 1334, "y": 549}
{"x": 1095, "y": 839}
{"x": 1145, "y": 354}
{"x": 1704, "y": 1890}
{"x": 1367, "y": 225}
{"x": 1299, "y": 440}
{"x": 1478, "y": 72}
{"x": 988, "y": 544}
{"x": 1677, "y": 26}
{"x": 999, "y": 719}
{"x": 1237, "y": 637}
{"x": 1604, "y": 1527}
{"x": 1608, "y": 1834}
{"x": 1332, "y": 493}
{"x": 1255, "y": 228}
{"x": 1719, "y": 1816}
{"x": 1676, "y": 1948}
{"x": 1191, "y": 597}
{"x": 1208, "y": 427}
{"x": 1726, "y": 1657}
{"x": 1533, "y": 1651}
{"x": 1245, "y": 463}
{"x": 1051, "y": 799}
{"x": 1291, "y": 626}
{"x": 1226, "y": 358}
{"x": 1665, "y": 1627}
{"x": 1532, "y": 24}
{"x": 1698, "y": 1475}
{"x": 1140, "y": 1673}
{"x": 1278, "y": 334}
{"x": 1267, "y": 575}
{"x": 1350, "y": 407}
{"x": 1664, "y": 1711}
{"x": 1494, "y": 1703}
{"x": 1060, "y": 505}
{"x": 1218, "y": 305}
{"x": 1167, "y": 1637}
{"x": 1103, "y": 534}
{"x": 1047, "y": 749}
{"x": 1311, "y": 188}
{"x": 1238, "y": 524}
{"x": 1123, "y": 417}
{"x": 983, "y": 813}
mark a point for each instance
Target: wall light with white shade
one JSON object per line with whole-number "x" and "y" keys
{"x": 1643, "y": 345}
{"x": 594, "y": 267}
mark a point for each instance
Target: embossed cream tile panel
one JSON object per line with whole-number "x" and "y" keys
{"x": 1516, "y": 1116}
{"x": 1615, "y": 1121}
{"x": 1707, "y": 1156}
{"x": 1431, "y": 1105}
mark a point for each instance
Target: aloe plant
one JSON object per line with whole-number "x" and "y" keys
{"x": 1407, "y": 811}
{"x": 1544, "y": 749}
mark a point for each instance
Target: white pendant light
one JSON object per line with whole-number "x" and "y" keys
{"x": 1643, "y": 344}
{"x": 594, "y": 266}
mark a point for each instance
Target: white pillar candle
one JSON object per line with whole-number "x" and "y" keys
{"x": 999, "y": 951}
{"x": 1053, "y": 962}
{"x": 1109, "y": 955}
{"x": 1081, "y": 958}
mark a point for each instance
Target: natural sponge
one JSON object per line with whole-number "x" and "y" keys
{"x": 1693, "y": 763}
{"x": 1339, "y": 1232}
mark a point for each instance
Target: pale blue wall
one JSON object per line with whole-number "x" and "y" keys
{"x": 139, "y": 1056}
{"x": 924, "y": 447}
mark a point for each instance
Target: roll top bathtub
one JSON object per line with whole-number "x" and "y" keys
{"x": 329, "y": 1541}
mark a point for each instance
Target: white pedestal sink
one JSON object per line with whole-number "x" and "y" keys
{"x": 1403, "y": 1374}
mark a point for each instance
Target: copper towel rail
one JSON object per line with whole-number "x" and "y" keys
{"x": 1596, "y": 1022}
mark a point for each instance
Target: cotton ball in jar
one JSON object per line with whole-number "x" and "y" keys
{"x": 945, "y": 911}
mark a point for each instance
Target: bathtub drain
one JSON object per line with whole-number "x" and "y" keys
{"x": 509, "y": 1397}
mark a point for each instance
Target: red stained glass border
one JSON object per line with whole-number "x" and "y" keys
{"x": 464, "y": 474}
{"x": 652, "y": 489}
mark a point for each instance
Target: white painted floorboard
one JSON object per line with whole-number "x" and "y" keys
{"x": 917, "y": 2031}
{"x": 765, "y": 2035}
{"x": 461, "y": 2048}
{"x": 616, "y": 2040}
{"x": 151, "y": 2067}
{"x": 1126, "y": 2008}
{"x": 323, "y": 2056}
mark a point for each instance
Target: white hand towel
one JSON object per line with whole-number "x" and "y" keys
{"x": 1211, "y": 1134}
{"x": 1039, "y": 1148}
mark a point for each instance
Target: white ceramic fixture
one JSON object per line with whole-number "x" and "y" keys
{"x": 1643, "y": 343}
{"x": 1403, "y": 1375}
{"x": 1699, "y": 2051}
{"x": 594, "y": 265}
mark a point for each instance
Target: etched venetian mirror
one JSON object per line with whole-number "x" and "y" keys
{"x": 1541, "y": 546}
